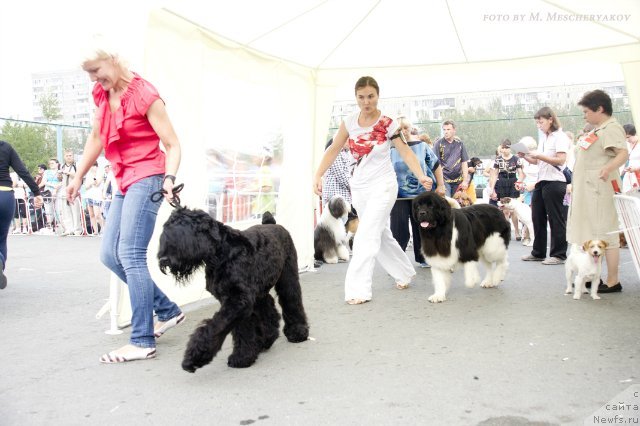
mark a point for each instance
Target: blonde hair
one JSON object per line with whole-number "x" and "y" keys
{"x": 98, "y": 48}
{"x": 529, "y": 142}
{"x": 404, "y": 122}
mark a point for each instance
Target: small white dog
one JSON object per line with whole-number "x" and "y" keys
{"x": 586, "y": 262}
{"x": 330, "y": 236}
{"x": 524, "y": 214}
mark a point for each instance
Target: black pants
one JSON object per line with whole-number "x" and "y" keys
{"x": 400, "y": 218}
{"x": 546, "y": 203}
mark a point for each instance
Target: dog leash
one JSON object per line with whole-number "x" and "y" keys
{"x": 175, "y": 200}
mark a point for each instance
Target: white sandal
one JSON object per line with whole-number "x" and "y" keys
{"x": 169, "y": 324}
{"x": 140, "y": 353}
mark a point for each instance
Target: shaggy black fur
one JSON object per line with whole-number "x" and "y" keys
{"x": 474, "y": 224}
{"x": 240, "y": 267}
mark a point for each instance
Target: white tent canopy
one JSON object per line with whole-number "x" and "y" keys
{"x": 356, "y": 34}
{"x": 307, "y": 51}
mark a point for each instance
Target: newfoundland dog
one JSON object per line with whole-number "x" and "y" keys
{"x": 451, "y": 237}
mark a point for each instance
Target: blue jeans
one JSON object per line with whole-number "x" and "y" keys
{"x": 127, "y": 233}
{"x": 7, "y": 209}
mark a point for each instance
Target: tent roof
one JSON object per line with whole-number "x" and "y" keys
{"x": 338, "y": 34}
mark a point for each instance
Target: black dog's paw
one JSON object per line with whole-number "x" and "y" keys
{"x": 192, "y": 362}
{"x": 296, "y": 333}
{"x": 240, "y": 361}
{"x": 188, "y": 366}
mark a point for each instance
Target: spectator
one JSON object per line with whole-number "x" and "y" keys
{"x": 265, "y": 199}
{"x": 409, "y": 187}
{"x": 600, "y": 154}
{"x": 426, "y": 139}
{"x": 548, "y": 194}
{"x": 336, "y": 180}
{"x": 93, "y": 196}
{"x": 109, "y": 187}
{"x": 21, "y": 224}
{"x": 9, "y": 159}
{"x": 631, "y": 169}
{"x": 472, "y": 166}
{"x": 530, "y": 171}
{"x": 374, "y": 189}
{"x": 453, "y": 159}
{"x": 51, "y": 181}
{"x": 70, "y": 212}
{"x": 506, "y": 172}
{"x": 39, "y": 175}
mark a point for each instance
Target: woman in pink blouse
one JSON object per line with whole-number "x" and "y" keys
{"x": 130, "y": 122}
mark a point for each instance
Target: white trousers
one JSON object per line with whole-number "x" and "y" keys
{"x": 374, "y": 241}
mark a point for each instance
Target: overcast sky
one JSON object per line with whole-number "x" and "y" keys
{"x": 42, "y": 36}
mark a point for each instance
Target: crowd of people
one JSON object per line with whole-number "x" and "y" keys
{"x": 85, "y": 216}
{"x": 385, "y": 162}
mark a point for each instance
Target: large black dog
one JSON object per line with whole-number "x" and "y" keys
{"x": 240, "y": 268}
{"x": 451, "y": 237}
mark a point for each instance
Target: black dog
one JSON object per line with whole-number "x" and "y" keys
{"x": 240, "y": 267}
{"x": 451, "y": 237}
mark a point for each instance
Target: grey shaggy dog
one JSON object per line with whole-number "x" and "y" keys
{"x": 241, "y": 267}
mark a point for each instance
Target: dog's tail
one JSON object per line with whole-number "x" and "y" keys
{"x": 268, "y": 219}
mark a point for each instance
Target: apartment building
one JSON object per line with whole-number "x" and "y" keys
{"x": 72, "y": 89}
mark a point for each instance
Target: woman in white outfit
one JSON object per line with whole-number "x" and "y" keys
{"x": 374, "y": 189}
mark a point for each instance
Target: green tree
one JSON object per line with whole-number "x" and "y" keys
{"x": 50, "y": 107}
{"x": 30, "y": 142}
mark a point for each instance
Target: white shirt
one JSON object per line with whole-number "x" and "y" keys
{"x": 374, "y": 167}
{"x": 550, "y": 145}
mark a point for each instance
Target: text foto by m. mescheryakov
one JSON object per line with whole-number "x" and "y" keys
{"x": 555, "y": 17}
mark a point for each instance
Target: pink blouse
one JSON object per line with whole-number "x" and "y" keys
{"x": 129, "y": 141}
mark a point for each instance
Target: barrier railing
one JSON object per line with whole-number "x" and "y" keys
{"x": 55, "y": 217}
{"x": 237, "y": 206}
{"x": 628, "y": 207}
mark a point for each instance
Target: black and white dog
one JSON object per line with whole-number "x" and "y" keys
{"x": 330, "y": 236}
{"x": 241, "y": 267}
{"x": 451, "y": 237}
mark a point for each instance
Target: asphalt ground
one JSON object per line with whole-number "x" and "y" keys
{"x": 520, "y": 354}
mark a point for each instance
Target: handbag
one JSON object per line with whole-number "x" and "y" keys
{"x": 568, "y": 174}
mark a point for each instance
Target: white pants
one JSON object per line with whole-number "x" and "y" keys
{"x": 374, "y": 241}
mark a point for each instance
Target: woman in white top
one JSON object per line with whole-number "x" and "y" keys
{"x": 374, "y": 188}
{"x": 630, "y": 181}
{"x": 551, "y": 187}
{"x": 93, "y": 195}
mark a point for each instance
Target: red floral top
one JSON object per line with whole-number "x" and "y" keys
{"x": 364, "y": 143}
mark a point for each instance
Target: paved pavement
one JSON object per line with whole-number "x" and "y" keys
{"x": 520, "y": 354}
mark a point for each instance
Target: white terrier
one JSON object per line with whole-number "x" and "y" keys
{"x": 586, "y": 262}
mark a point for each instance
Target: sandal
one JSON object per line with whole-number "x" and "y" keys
{"x": 356, "y": 301}
{"x": 166, "y": 326}
{"x": 402, "y": 286}
{"x": 139, "y": 353}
